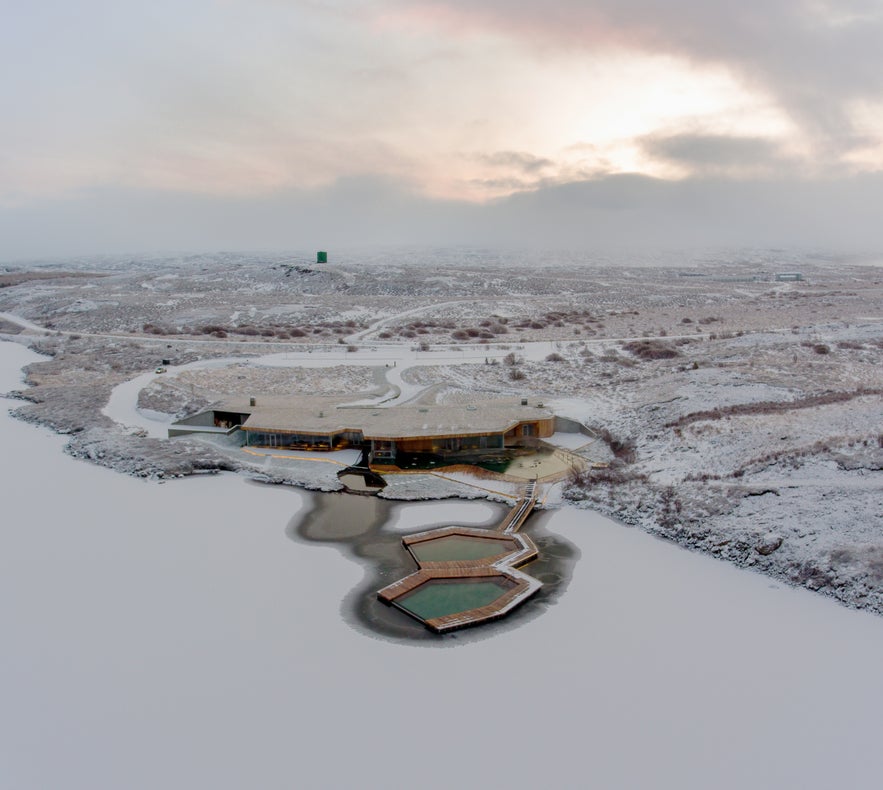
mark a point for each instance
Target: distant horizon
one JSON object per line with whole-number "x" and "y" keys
{"x": 762, "y": 257}
{"x": 617, "y": 212}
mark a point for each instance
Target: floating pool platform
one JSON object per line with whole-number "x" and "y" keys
{"x": 467, "y": 576}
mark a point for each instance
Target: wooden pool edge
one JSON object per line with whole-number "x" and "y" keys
{"x": 506, "y": 565}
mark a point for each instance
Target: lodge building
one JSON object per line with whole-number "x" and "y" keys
{"x": 385, "y": 433}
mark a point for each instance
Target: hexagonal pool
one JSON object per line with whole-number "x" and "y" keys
{"x": 441, "y": 597}
{"x": 461, "y": 547}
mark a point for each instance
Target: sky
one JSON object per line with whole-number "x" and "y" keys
{"x": 292, "y": 123}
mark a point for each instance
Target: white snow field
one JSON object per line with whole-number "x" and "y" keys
{"x": 422, "y": 515}
{"x": 171, "y": 636}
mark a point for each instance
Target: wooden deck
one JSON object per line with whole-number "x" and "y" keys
{"x": 502, "y": 566}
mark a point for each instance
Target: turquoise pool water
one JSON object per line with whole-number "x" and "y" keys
{"x": 440, "y": 597}
{"x": 461, "y": 547}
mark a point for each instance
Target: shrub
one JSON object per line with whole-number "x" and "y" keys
{"x": 821, "y": 348}
{"x": 516, "y": 375}
{"x": 651, "y": 349}
{"x": 554, "y": 357}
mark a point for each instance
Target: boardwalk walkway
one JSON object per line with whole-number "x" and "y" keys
{"x": 501, "y": 569}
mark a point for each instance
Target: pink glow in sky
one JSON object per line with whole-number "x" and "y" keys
{"x": 451, "y": 100}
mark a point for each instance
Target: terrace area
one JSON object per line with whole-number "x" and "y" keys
{"x": 467, "y": 576}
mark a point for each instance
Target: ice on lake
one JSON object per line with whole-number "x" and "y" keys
{"x": 172, "y": 636}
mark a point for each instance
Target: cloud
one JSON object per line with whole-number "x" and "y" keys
{"x": 815, "y": 58}
{"x": 522, "y": 161}
{"x": 717, "y": 155}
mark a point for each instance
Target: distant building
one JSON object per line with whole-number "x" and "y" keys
{"x": 789, "y": 277}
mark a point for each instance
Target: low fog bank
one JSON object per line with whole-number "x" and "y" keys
{"x": 625, "y": 211}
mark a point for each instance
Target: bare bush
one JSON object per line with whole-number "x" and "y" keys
{"x": 771, "y": 407}
{"x": 651, "y": 349}
{"x": 624, "y": 449}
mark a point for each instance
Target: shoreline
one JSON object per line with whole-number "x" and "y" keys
{"x": 626, "y": 502}
{"x": 740, "y": 415}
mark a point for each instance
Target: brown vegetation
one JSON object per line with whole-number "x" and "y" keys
{"x": 651, "y": 349}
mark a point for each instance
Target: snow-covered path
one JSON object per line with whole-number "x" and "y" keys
{"x": 361, "y": 335}
{"x": 25, "y": 324}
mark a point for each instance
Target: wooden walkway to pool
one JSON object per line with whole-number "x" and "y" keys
{"x": 502, "y": 569}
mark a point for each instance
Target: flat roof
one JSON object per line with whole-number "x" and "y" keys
{"x": 324, "y": 416}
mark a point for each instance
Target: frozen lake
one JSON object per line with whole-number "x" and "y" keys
{"x": 171, "y": 636}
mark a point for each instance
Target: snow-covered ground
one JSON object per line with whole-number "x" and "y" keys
{"x": 171, "y": 635}
{"x": 423, "y": 515}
